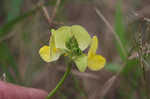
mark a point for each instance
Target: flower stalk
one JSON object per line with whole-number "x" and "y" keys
{"x": 69, "y": 65}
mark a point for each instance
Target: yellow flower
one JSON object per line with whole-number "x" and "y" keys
{"x": 95, "y": 62}
{"x": 50, "y": 53}
{"x": 71, "y": 41}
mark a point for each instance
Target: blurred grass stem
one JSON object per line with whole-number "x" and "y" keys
{"x": 112, "y": 30}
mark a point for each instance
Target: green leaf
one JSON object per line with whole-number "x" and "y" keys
{"x": 81, "y": 62}
{"x": 130, "y": 66}
{"x": 14, "y": 11}
{"x": 6, "y": 28}
{"x": 113, "y": 67}
{"x": 7, "y": 62}
{"x": 120, "y": 30}
{"x": 81, "y": 35}
{"x": 132, "y": 74}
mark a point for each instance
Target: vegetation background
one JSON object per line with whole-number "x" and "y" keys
{"x": 124, "y": 39}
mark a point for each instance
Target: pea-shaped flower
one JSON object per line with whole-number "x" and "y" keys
{"x": 71, "y": 41}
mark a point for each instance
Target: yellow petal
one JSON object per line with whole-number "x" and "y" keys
{"x": 50, "y": 53}
{"x": 93, "y": 47}
{"x": 45, "y": 53}
{"x": 96, "y": 62}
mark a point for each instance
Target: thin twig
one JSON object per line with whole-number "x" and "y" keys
{"x": 55, "y": 10}
{"x": 142, "y": 13}
{"x": 107, "y": 86}
{"x": 136, "y": 55}
{"x": 112, "y": 30}
{"x": 46, "y": 14}
{"x": 75, "y": 72}
{"x": 51, "y": 19}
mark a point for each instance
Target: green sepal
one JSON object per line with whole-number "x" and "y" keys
{"x": 81, "y": 62}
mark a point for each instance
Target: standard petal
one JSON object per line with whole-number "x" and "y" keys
{"x": 81, "y": 62}
{"x": 81, "y": 35}
{"x": 93, "y": 47}
{"x": 45, "y": 53}
{"x": 96, "y": 62}
{"x": 61, "y": 36}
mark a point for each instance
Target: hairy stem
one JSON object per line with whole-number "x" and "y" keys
{"x": 61, "y": 81}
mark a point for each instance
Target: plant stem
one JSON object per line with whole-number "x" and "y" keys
{"x": 61, "y": 81}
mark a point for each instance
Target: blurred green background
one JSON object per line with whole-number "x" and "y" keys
{"x": 125, "y": 42}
